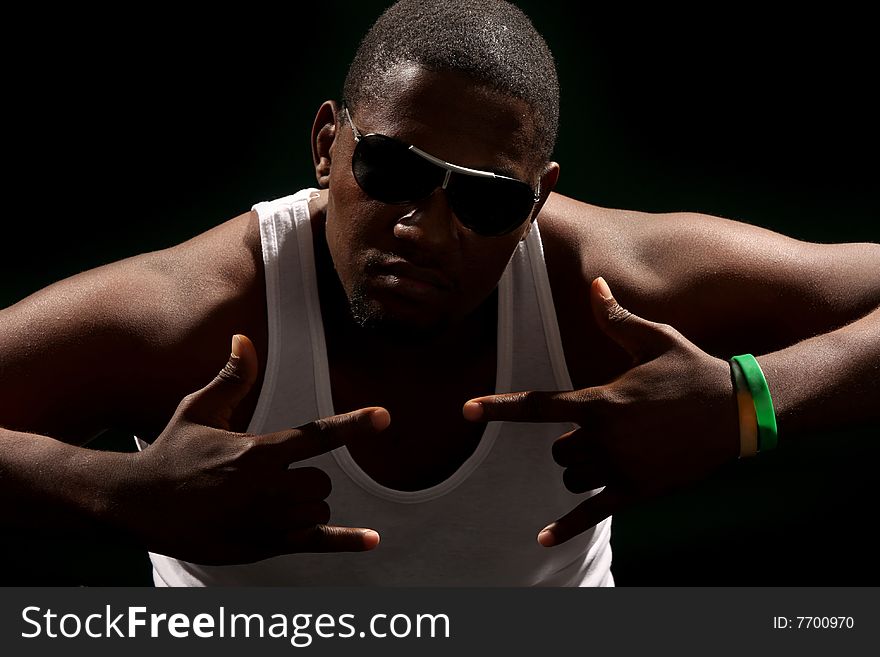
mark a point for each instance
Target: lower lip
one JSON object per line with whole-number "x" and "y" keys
{"x": 409, "y": 287}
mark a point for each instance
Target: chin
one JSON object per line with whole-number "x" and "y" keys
{"x": 399, "y": 322}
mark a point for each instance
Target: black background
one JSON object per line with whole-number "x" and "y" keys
{"x": 131, "y": 132}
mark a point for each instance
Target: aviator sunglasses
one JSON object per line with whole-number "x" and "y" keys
{"x": 393, "y": 172}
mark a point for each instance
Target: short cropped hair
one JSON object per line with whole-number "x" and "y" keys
{"x": 491, "y": 41}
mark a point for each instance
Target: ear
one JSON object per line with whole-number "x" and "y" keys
{"x": 548, "y": 183}
{"x": 323, "y": 136}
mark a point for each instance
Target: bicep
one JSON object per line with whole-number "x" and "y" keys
{"x": 69, "y": 352}
{"x": 732, "y": 287}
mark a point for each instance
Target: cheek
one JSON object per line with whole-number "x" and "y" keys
{"x": 350, "y": 225}
{"x": 340, "y": 240}
{"x": 484, "y": 264}
{"x": 341, "y": 206}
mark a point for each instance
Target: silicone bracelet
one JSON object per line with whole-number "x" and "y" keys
{"x": 748, "y": 420}
{"x": 767, "y": 436}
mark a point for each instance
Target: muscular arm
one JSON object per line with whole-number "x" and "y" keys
{"x": 119, "y": 345}
{"x": 114, "y": 347}
{"x": 653, "y": 402}
{"x": 72, "y": 354}
{"x": 808, "y": 311}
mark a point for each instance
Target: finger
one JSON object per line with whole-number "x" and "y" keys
{"x": 585, "y": 477}
{"x": 574, "y": 447}
{"x": 585, "y": 462}
{"x": 330, "y": 538}
{"x": 308, "y": 514}
{"x": 530, "y": 406}
{"x": 327, "y": 433}
{"x": 585, "y": 515}
{"x": 306, "y": 484}
{"x": 214, "y": 404}
{"x": 642, "y": 339}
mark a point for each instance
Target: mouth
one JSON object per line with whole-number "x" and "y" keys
{"x": 402, "y": 277}
{"x": 405, "y": 269}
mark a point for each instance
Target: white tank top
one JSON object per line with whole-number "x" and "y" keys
{"x": 476, "y": 528}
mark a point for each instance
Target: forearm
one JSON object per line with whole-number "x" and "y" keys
{"x": 828, "y": 380}
{"x": 51, "y": 487}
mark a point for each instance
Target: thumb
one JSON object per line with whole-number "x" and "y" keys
{"x": 642, "y": 339}
{"x": 214, "y": 404}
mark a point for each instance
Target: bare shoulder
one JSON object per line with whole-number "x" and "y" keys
{"x": 581, "y": 242}
{"x": 122, "y": 343}
{"x": 708, "y": 276}
{"x": 650, "y": 259}
{"x": 207, "y": 279}
{"x": 581, "y": 239}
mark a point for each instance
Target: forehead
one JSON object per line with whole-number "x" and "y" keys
{"x": 454, "y": 118}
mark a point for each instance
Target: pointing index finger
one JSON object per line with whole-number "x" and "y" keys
{"x": 328, "y": 433}
{"x": 528, "y": 406}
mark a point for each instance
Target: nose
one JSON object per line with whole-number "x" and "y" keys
{"x": 431, "y": 226}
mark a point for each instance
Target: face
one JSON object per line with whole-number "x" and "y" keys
{"x": 415, "y": 268}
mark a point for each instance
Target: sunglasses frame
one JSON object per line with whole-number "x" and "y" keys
{"x": 448, "y": 167}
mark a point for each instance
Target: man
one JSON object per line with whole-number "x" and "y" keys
{"x": 400, "y": 310}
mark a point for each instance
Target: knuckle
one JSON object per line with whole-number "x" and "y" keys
{"x": 330, "y": 538}
{"x": 230, "y": 372}
{"x": 608, "y": 398}
{"x": 320, "y": 429}
{"x": 248, "y": 443}
{"x": 617, "y": 314}
{"x": 342, "y": 421}
{"x": 533, "y": 403}
{"x": 667, "y": 331}
{"x": 321, "y": 537}
{"x": 188, "y": 401}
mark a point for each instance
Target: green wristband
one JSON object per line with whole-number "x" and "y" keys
{"x": 767, "y": 436}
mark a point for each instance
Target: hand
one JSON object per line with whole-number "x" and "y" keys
{"x": 669, "y": 421}
{"x": 206, "y": 494}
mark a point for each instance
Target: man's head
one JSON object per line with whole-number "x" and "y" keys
{"x": 491, "y": 41}
{"x": 470, "y": 84}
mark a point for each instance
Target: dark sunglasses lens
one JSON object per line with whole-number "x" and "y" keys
{"x": 490, "y": 206}
{"x": 389, "y": 172}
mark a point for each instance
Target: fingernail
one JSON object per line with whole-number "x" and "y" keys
{"x": 380, "y": 419}
{"x": 546, "y": 537}
{"x": 604, "y": 290}
{"x": 236, "y": 346}
{"x": 473, "y": 411}
{"x": 371, "y": 539}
